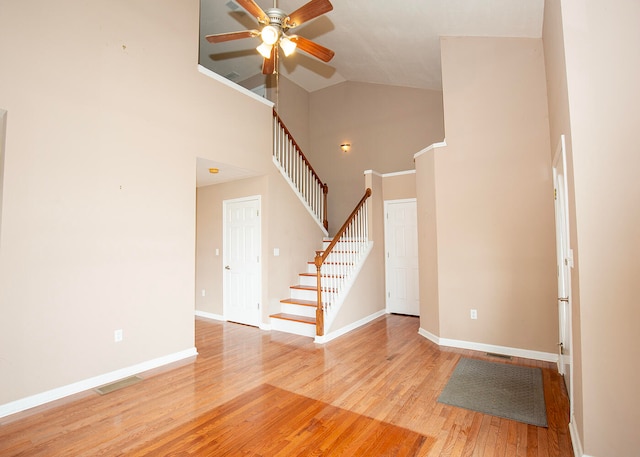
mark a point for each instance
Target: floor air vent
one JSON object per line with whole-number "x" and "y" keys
{"x": 121, "y": 384}
{"x": 499, "y": 356}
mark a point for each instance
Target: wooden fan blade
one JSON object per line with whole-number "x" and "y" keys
{"x": 269, "y": 65}
{"x": 310, "y": 47}
{"x": 221, "y": 37}
{"x": 253, "y": 9}
{"x": 308, "y": 11}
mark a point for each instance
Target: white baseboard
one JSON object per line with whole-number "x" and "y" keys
{"x": 91, "y": 383}
{"x": 575, "y": 439}
{"x": 219, "y": 317}
{"x": 333, "y": 335}
{"x": 505, "y": 350}
{"x": 428, "y": 335}
{"x": 215, "y": 317}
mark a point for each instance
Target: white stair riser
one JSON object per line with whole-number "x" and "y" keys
{"x": 298, "y": 310}
{"x": 340, "y": 254}
{"x": 312, "y": 269}
{"x": 341, "y": 257}
{"x": 309, "y": 295}
{"x": 297, "y": 328}
{"x": 307, "y": 280}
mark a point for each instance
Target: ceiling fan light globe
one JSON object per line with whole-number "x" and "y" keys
{"x": 288, "y": 46}
{"x": 265, "y": 50}
{"x": 270, "y": 35}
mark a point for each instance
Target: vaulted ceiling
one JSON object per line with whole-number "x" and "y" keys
{"x": 376, "y": 41}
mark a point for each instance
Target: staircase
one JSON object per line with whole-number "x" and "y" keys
{"x": 298, "y": 312}
{"x": 341, "y": 257}
{"x": 339, "y": 263}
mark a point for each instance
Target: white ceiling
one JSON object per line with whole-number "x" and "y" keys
{"x": 376, "y": 41}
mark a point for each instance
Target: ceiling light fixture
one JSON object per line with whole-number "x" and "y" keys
{"x": 287, "y": 45}
{"x": 270, "y": 35}
{"x": 265, "y": 50}
{"x": 346, "y": 147}
{"x": 213, "y": 171}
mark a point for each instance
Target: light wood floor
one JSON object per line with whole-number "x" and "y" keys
{"x": 372, "y": 392}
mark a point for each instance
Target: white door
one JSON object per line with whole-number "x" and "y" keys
{"x": 242, "y": 244}
{"x": 401, "y": 251}
{"x": 564, "y": 256}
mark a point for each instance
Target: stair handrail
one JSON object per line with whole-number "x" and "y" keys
{"x": 301, "y": 174}
{"x": 354, "y": 229}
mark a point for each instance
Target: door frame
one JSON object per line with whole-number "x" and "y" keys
{"x": 225, "y": 255}
{"x": 387, "y": 203}
{"x": 564, "y": 260}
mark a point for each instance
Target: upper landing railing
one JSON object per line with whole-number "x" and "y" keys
{"x": 288, "y": 156}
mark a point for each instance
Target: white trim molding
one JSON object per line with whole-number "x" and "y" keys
{"x": 442, "y": 144}
{"x": 575, "y": 439}
{"x": 398, "y": 173}
{"x": 371, "y": 172}
{"x": 91, "y": 383}
{"x": 221, "y": 318}
{"x": 333, "y": 335}
{"x": 482, "y": 347}
{"x": 205, "y": 71}
{"x": 212, "y": 316}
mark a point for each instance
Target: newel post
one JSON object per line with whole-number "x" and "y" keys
{"x": 325, "y": 219}
{"x": 319, "y": 308}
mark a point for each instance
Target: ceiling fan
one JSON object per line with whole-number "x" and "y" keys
{"x": 275, "y": 24}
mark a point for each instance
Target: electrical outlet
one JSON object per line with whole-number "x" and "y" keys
{"x": 117, "y": 336}
{"x": 474, "y": 314}
{"x": 204, "y": 292}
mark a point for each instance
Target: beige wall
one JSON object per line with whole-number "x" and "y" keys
{"x": 385, "y": 125}
{"x": 98, "y": 218}
{"x": 494, "y": 205}
{"x": 3, "y": 131}
{"x": 603, "y": 64}
{"x": 427, "y": 240}
{"x": 399, "y": 186}
{"x": 292, "y": 104}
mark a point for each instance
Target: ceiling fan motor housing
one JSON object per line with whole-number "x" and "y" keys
{"x": 276, "y": 17}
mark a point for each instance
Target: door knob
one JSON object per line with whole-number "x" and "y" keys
{"x": 227, "y": 267}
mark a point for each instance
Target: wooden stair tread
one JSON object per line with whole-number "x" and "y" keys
{"x": 297, "y": 301}
{"x": 311, "y": 288}
{"x": 299, "y": 287}
{"x": 293, "y": 317}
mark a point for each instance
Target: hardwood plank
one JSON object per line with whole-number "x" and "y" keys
{"x": 249, "y": 392}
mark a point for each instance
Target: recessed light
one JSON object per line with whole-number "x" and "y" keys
{"x": 213, "y": 171}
